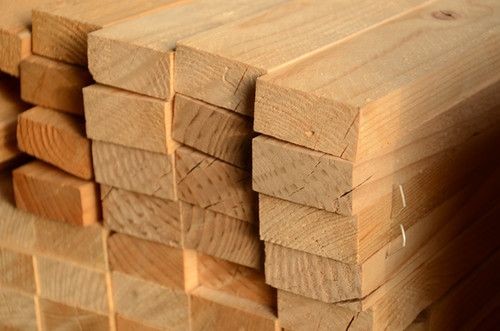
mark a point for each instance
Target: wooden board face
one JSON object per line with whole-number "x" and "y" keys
{"x": 48, "y": 192}
{"x": 17, "y": 311}
{"x": 16, "y": 271}
{"x": 55, "y": 316}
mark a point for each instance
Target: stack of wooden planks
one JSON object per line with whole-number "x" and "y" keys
{"x": 250, "y": 165}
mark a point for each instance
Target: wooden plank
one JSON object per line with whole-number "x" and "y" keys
{"x": 398, "y": 302}
{"x": 134, "y": 170}
{"x": 58, "y": 316}
{"x": 466, "y": 300}
{"x": 60, "y": 28}
{"x": 125, "y": 324}
{"x": 213, "y": 130}
{"x": 48, "y": 192}
{"x": 152, "y": 39}
{"x": 285, "y": 267}
{"x": 17, "y": 311}
{"x": 15, "y": 34}
{"x": 128, "y": 119}
{"x": 220, "y": 66}
{"x": 167, "y": 266}
{"x": 16, "y": 271}
{"x": 72, "y": 285}
{"x": 142, "y": 216}
{"x": 56, "y": 138}
{"x": 221, "y": 236}
{"x": 212, "y": 184}
{"x": 327, "y": 182}
{"x": 10, "y": 107}
{"x": 349, "y": 102}
{"x": 151, "y": 304}
{"x": 53, "y": 84}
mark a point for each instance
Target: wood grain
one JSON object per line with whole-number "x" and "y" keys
{"x": 243, "y": 50}
{"x": 150, "y": 304}
{"x": 56, "y": 138}
{"x": 154, "y": 262}
{"x": 221, "y": 236}
{"x": 17, "y": 311}
{"x": 53, "y": 84}
{"x": 16, "y": 271}
{"x": 15, "y": 33}
{"x": 58, "y": 316}
{"x": 352, "y": 103}
{"x": 72, "y": 285}
{"x": 128, "y": 119}
{"x": 134, "y": 170}
{"x": 142, "y": 216}
{"x": 48, "y": 192}
{"x": 212, "y": 184}
{"x": 60, "y": 28}
{"x": 152, "y": 40}
{"x": 125, "y": 324}
{"x": 10, "y": 107}
{"x": 213, "y": 130}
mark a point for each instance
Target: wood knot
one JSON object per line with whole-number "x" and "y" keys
{"x": 309, "y": 133}
{"x": 445, "y": 15}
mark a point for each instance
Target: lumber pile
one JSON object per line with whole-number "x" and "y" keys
{"x": 250, "y": 165}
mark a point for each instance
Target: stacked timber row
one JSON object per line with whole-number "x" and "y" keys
{"x": 375, "y": 168}
{"x": 167, "y": 200}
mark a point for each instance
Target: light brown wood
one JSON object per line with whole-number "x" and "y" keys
{"x": 57, "y": 316}
{"x": 205, "y": 181}
{"x": 167, "y": 266}
{"x": 128, "y": 119}
{"x": 220, "y": 66}
{"x": 152, "y": 39}
{"x": 327, "y": 182}
{"x": 60, "y": 28}
{"x": 17, "y": 311}
{"x": 71, "y": 284}
{"x": 15, "y": 34}
{"x": 56, "y": 138}
{"x": 134, "y": 170}
{"x": 304, "y": 273}
{"x": 124, "y": 324}
{"x": 351, "y": 101}
{"x": 10, "y": 106}
{"x": 142, "y": 216}
{"x": 53, "y": 84}
{"x": 213, "y": 130}
{"x": 16, "y": 271}
{"x": 221, "y": 236}
{"x": 150, "y": 304}
{"x": 399, "y": 301}
{"x": 48, "y": 192}
{"x": 214, "y": 310}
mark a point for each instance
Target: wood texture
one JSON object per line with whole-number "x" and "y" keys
{"x": 128, "y": 119}
{"x": 17, "y": 311}
{"x": 142, "y": 216}
{"x": 305, "y": 274}
{"x": 72, "y": 285}
{"x": 56, "y": 138}
{"x": 16, "y": 271}
{"x": 361, "y": 105}
{"x": 221, "y": 236}
{"x": 57, "y": 316}
{"x": 10, "y": 107}
{"x": 152, "y": 40}
{"x": 60, "y": 28}
{"x": 220, "y": 66}
{"x": 134, "y": 170}
{"x": 15, "y": 34}
{"x": 213, "y": 130}
{"x": 48, "y": 192}
{"x": 124, "y": 324}
{"x": 167, "y": 266}
{"x": 151, "y": 304}
{"x": 212, "y": 184}
{"x": 327, "y": 182}
{"x": 53, "y": 84}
